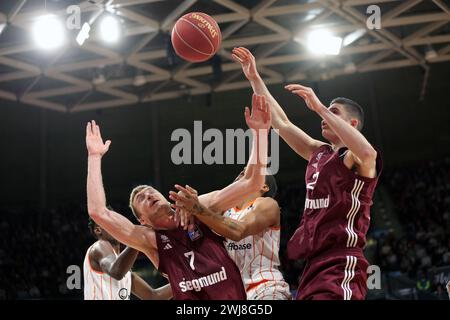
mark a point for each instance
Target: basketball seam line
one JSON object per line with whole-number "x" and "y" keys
{"x": 187, "y": 44}
{"x": 201, "y": 31}
{"x": 203, "y": 34}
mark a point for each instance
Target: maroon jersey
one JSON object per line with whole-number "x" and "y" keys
{"x": 337, "y": 206}
{"x": 198, "y": 265}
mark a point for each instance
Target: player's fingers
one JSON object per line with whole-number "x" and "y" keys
{"x": 99, "y": 132}
{"x": 299, "y": 93}
{"x": 242, "y": 54}
{"x": 260, "y": 101}
{"x": 244, "y": 51}
{"x": 238, "y": 53}
{"x": 263, "y": 104}
{"x": 192, "y": 190}
{"x": 254, "y": 101}
{"x": 247, "y": 114}
{"x": 236, "y": 58}
{"x": 291, "y": 87}
{"x": 247, "y": 52}
{"x": 107, "y": 144}
{"x": 94, "y": 127}
{"x": 176, "y": 197}
{"x": 88, "y": 129}
{"x": 254, "y": 106}
{"x": 269, "y": 112}
{"x": 302, "y": 94}
{"x": 182, "y": 189}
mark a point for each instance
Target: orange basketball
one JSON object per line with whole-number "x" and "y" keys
{"x": 196, "y": 37}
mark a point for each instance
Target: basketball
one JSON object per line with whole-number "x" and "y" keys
{"x": 196, "y": 37}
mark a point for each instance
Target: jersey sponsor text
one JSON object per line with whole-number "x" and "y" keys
{"x": 206, "y": 281}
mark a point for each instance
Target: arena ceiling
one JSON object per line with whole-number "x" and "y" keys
{"x": 95, "y": 75}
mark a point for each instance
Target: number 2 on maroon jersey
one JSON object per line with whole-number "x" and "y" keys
{"x": 312, "y": 184}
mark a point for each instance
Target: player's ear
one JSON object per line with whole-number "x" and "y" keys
{"x": 265, "y": 188}
{"x": 143, "y": 221}
{"x": 98, "y": 231}
{"x": 354, "y": 123}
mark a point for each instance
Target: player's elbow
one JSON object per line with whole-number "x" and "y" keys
{"x": 281, "y": 123}
{"x": 117, "y": 275}
{"x": 369, "y": 155}
{"x": 96, "y": 213}
{"x": 239, "y": 234}
{"x": 255, "y": 182}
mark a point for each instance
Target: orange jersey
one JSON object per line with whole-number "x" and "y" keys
{"x": 257, "y": 255}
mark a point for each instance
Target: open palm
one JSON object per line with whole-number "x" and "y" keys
{"x": 94, "y": 140}
{"x": 260, "y": 117}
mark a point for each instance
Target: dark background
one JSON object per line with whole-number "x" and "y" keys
{"x": 43, "y": 158}
{"x": 43, "y": 164}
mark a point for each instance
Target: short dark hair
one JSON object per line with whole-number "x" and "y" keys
{"x": 91, "y": 226}
{"x": 271, "y": 182}
{"x": 353, "y": 109}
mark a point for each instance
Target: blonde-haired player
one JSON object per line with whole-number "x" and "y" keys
{"x": 252, "y": 232}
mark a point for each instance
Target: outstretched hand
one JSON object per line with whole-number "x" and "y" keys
{"x": 260, "y": 117}
{"x": 308, "y": 94}
{"x": 186, "y": 204}
{"x": 247, "y": 60}
{"x": 94, "y": 140}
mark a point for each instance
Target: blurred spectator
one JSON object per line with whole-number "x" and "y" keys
{"x": 421, "y": 196}
{"x": 423, "y": 283}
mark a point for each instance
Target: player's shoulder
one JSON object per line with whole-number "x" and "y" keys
{"x": 99, "y": 248}
{"x": 95, "y": 252}
{"x": 149, "y": 234}
{"x": 266, "y": 203}
{"x": 320, "y": 147}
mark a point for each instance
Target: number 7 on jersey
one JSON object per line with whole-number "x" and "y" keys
{"x": 190, "y": 256}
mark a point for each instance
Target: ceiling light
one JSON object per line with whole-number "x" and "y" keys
{"x": 99, "y": 79}
{"x": 323, "y": 42}
{"x": 139, "y": 80}
{"x": 110, "y": 29}
{"x": 430, "y": 53}
{"x": 48, "y": 32}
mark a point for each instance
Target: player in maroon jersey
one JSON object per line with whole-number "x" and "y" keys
{"x": 195, "y": 261}
{"x": 340, "y": 180}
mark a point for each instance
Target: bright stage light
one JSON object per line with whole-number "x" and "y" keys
{"x": 48, "y": 32}
{"x": 323, "y": 42}
{"x": 110, "y": 29}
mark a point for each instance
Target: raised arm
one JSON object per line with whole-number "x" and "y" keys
{"x": 253, "y": 180}
{"x": 138, "y": 237}
{"x": 361, "y": 151}
{"x": 296, "y": 138}
{"x": 265, "y": 214}
{"x": 103, "y": 255}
